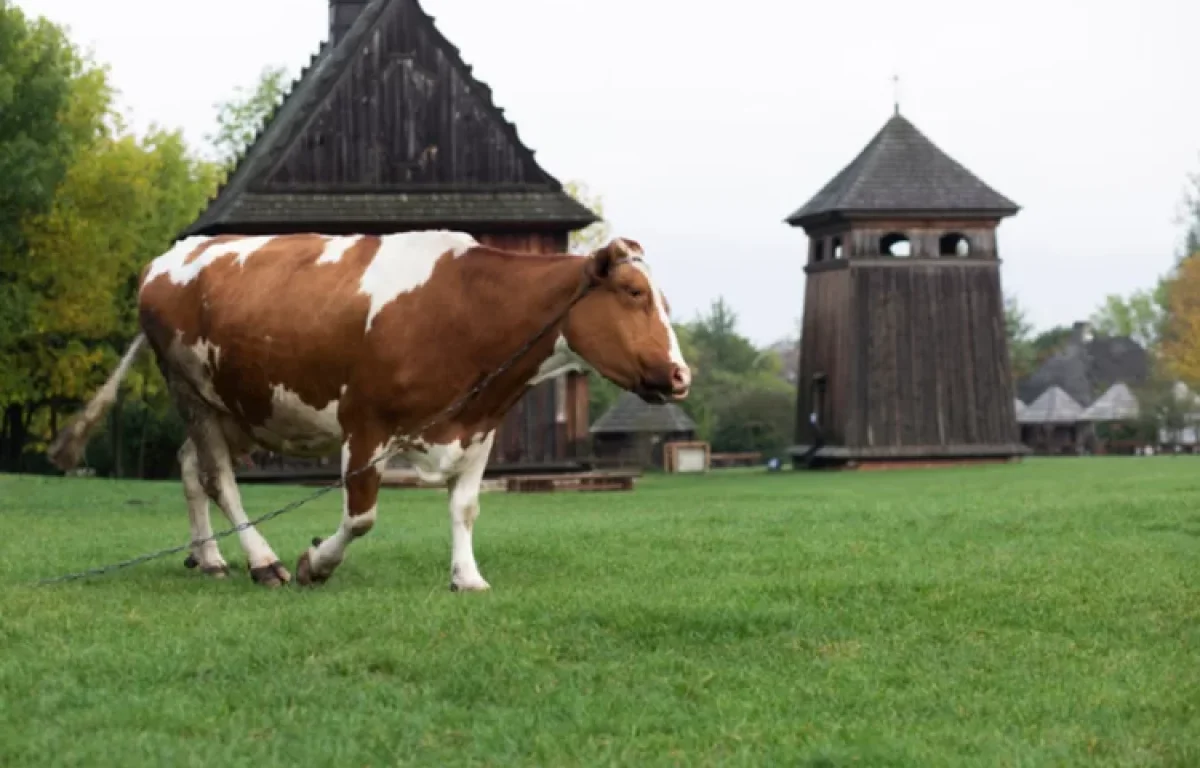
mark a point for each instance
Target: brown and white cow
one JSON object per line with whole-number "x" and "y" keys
{"x": 303, "y": 344}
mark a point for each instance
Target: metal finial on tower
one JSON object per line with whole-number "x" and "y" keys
{"x": 896, "y": 94}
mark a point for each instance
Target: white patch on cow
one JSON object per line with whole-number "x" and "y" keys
{"x": 661, "y": 306}
{"x": 436, "y": 462}
{"x": 297, "y": 427}
{"x": 464, "y": 511}
{"x": 336, "y": 247}
{"x": 404, "y": 262}
{"x": 562, "y": 360}
{"x": 323, "y": 559}
{"x": 192, "y": 361}
{"x": 172, "y": 263}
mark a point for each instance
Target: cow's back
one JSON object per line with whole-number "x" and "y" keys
{"x": 269, "y": 329}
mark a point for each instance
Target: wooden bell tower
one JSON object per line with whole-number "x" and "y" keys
{"x": 904, "y": 354}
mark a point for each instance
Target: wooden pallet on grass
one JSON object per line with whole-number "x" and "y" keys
{"x": 583, "y": 481}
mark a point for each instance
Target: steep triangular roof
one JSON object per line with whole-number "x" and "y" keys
{"x": 1053, "y": 407}
{"x": 901, "y": 171}
{"x": 632, "y": 414}
{"x": 1116, "y": 404}
{"x": 389, "y": 129}
{"x": 1019, "y": 407}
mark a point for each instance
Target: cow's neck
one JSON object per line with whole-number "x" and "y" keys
{"x": 514, "y": 297}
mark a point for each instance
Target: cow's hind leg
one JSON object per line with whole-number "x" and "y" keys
{"x": 359, "y": 508}
{"x": 207, "y": 556}
{"x": 218, "y": 480}
{"x": 464, "y": 510}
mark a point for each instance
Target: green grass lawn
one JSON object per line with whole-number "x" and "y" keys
{"x": 1046, "y": 613}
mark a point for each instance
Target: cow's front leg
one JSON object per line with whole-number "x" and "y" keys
{"x": 464, "y": 510}
{"x": 360, "y": 498}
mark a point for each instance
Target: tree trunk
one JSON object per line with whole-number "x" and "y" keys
{"x": 118, "y": 434}
{"x": 9, "y": 447}
{"x": 14, "y": 418}
{"x": 141, "y": 459}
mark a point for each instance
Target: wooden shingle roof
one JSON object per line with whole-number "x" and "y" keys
{"x": 1053, "y": 407}
{"x": 388, "y": 129}
{"x": 631, "y": 414}
{"x": 900, "y": 171}
{"x": 1088, "y": 365}
{"x": 1116, "y": 404}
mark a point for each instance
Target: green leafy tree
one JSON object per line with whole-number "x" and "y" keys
{"x": 242, "y": 116}
{"x": 1140, "y": 316}
{"x": 118, "y": 202}
{"x": 1020, "y": 342}
{"x": 39, "y": 136}
{"x": 594, "y": 235}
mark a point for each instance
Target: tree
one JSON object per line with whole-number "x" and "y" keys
{"x": 1181, "y": 342}
{"x": 39, "y": 70}
{"x": 119, "y": 202}
{"x": 594, "y": 235}
{"x": 242, "y": 116}
{"x": 1140, "y": 316}
{"x": 1190, "y": 215}
{"x": 740, "y": 399}
{"x": 1020, "y": 344}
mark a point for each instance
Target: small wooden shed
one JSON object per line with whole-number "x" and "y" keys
{"x": 1050, "y": 424}
{"x": 388, "y": 130}
{"x": 632, "y": 432}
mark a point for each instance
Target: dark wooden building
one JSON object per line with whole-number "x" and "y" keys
{"x": 633, "y": 432}
{"x": 903, "y": 352}
{"x": 387, "y": 130}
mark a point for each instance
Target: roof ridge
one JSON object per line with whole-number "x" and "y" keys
{"x": 275, "y": 140}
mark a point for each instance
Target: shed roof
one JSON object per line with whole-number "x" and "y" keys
{"x": 632, "y": 414}
{"x": 1019, "y": 407}
{"x": 1054, "y": 406}
{"x": 1116, "y": 404}
{"x": 1087, "y": 366}
{"x": 258, "y": 196}
{"x": 901, "y": 171}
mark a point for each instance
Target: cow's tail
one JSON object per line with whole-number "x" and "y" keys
{"x": 66, "y": 449}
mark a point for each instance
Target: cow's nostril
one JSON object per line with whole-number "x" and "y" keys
{"x": 681, "y": 377}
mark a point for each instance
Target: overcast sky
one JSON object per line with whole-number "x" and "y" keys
{"x": 703, "y": 129}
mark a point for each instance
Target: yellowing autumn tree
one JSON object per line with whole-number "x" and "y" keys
{"x": 1181, "y": 341}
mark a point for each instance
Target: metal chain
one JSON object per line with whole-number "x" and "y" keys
{"x": 586, "y": 286}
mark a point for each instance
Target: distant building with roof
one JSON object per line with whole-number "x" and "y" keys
{"x": 903, "y": 354}
{"x": 1089, "y": 382}
{"x": 633, "y": 431}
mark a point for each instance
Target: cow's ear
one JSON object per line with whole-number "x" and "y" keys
{"x": 607, "y": 256}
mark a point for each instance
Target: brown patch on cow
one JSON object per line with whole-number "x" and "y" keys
{"x": 438, "y": 341}
{"x": 276, "y": 319}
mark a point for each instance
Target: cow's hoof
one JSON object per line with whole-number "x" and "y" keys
{"x": 218, "y": 571}
{"x": 305, "y": 576}
{"x": 273, "y": 575}
{"x": 477, "y": 585}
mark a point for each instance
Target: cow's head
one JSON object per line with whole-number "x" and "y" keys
{"x": 622, "y": 328}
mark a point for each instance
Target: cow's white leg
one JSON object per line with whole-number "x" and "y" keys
{"x": 464, "y": 510}
{"x": 207, "y": 556}
{"x": 360, "y": 498}
{"x": 216, "y": 475}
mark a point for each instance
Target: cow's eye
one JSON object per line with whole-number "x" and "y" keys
{"x": 635, "y": 292}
